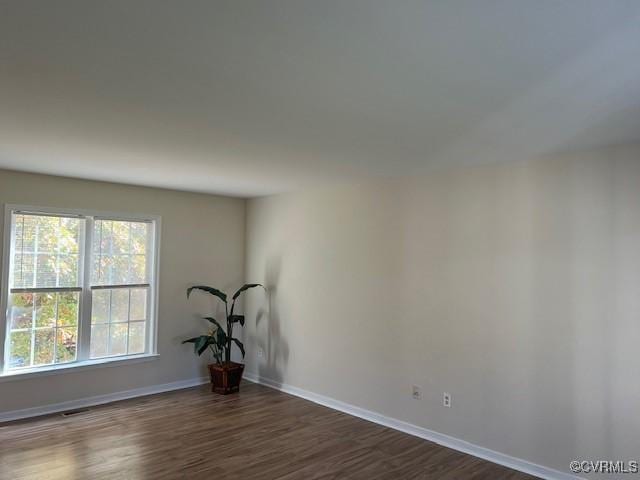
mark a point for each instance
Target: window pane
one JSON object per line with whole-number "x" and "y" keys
{"x": 69, "y": 239}
{"x": 68, "y": 270}
{"x": 119, "y": 252}
{"x": 45, "y": 309}
{"x": 101, "y": 270}
{"x": 99, "y": 340}
{"x": 119, "y": 333}
{"x": 23, "y": 268}
{"x": 46, "y": 251}
{"x": 66, "y": 344}
{"x": 20, "y": 349}
{"x": 100, "y": 300}
{"x": 136, "y": 337}
{"x": 123, "y": 331}
{"x": 43, "y": 346}
{"x": 45, "y": 270}
{"x": 50, "y": 345}
{"x": 139, "y": 269}
{"x": 25, "y": 233}
{"x": 120, "y": 270}
{"x": 139, "y": 235}
{"x": 120, "y": 237}
{"x": 120, "y": 305}
{"x": 102, "y": 237}
{"x": 47, "y": 233}
{"x": 138, "y": 306}
{"x": 102, "y": 253}
{"x": 68, "y": 304}
{"x": 21, "y": 310}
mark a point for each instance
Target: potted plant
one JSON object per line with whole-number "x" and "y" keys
{"x": 225, "y": 374}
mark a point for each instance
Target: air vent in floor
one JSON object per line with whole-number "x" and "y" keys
{"x": 70, "y": 413}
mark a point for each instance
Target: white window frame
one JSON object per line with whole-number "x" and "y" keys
{"x": 84, "y": 315}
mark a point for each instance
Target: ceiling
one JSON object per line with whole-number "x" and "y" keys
{"x": 256, "y": 97}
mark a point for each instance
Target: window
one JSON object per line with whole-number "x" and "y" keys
{"x": 79, "y": 287}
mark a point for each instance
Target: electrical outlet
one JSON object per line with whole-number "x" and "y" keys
{"x": 416, "y": 392}
{"x": 446, "y": 399}
{"x": 260, "y": 352}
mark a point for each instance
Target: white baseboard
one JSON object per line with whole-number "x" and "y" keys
{"x": 436, "y": 437}
{"x": 99, "y": 399}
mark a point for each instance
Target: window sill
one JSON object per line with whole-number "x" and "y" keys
{"x": 75, "y": 367}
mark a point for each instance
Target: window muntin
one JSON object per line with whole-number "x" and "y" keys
{"x": 58, "y": 311}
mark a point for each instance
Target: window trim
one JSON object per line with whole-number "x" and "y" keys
{"x": 85, "y": 301}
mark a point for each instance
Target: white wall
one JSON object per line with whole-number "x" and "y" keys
{"x": 202, "y": 241}
{"x": 514, "y": 287}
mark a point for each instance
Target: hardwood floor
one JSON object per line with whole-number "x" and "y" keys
{"x": 257, "y": 434}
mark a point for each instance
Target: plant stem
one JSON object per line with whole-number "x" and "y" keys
{"x": 229, "y": 334}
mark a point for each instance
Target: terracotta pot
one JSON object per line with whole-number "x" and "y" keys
{"x": 225, "y": 377}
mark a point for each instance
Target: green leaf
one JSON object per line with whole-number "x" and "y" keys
{"x": 202, "y": 344}
{"x": 236, "y": 319}
{"x": 202, "y": 349}
{"x": 246, "y": 286}
{"x": 221, "y": 338}
{"x": 213, "y": 291}
{"x": 214, "y": 321}
{"x": 240, "y": 345}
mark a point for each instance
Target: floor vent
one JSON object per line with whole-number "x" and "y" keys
{"x": 70, "y": 413}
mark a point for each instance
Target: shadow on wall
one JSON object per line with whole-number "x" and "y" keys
{"x": 274, "y": 346}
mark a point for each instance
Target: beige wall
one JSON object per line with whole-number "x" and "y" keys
{"x": 202, "y": 241}
{"x": 514, "y": 287}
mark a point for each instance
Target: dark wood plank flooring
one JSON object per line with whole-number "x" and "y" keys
{"x": 257, "y": 434}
